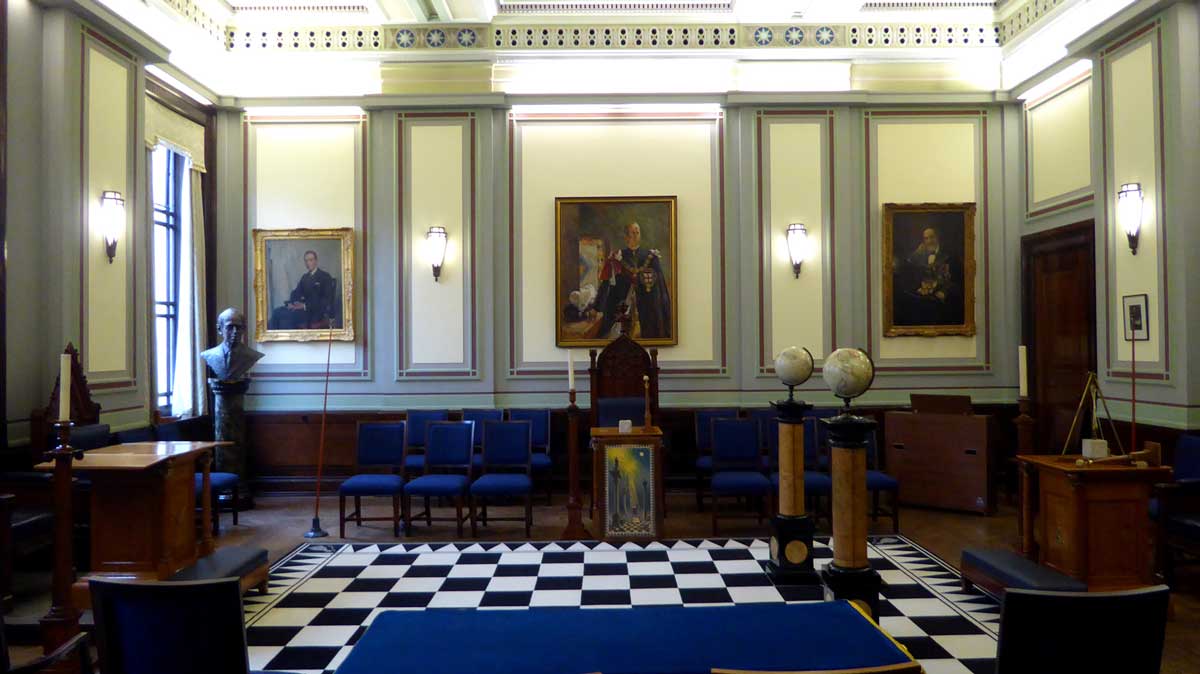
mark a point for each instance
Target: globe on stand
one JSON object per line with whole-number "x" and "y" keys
{"x": 793, "y": 366}
{"x": 849, "y": 373}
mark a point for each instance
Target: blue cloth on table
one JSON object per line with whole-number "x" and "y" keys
{"x": 217, "y": 481}
{"x": 814, "y": 483}
{"x": 659, "y": 639}
{"x": 499, "y": 484}
{"x": 877, "y": 481}
{"x": 372, "y": 484}
{"x": 740, "y": 482}
{"x": 437, "y": 485}
{"x": 1187, "y": 457}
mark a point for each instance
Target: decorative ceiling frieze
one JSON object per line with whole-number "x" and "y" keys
{"x": 1023, "y": 16}
{"x": 591, "y": 7}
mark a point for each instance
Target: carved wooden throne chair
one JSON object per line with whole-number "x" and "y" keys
{"x": 617, "y": 375}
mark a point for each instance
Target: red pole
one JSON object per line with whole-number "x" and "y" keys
{"x": 317, "y": 531}
{"x": 1133, "y": 396}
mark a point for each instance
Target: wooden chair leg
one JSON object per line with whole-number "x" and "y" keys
{"x": 458, "y": 518}
{"x": 358, "y": 510}
{"x": 713, "y": 504}
{"x": 407, "y": 508}
{"x": 236, "y": 500}
{"x": 471, "y": 515}
{"x": 528, "y": 515}
{"x": 428, "y": 513}
{"x": 216, "y": 519}
{"x": 483, "y": 509}
{"x": 341, "y": 516}
{"x": 396, "y": 515}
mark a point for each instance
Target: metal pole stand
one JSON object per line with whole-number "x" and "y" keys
{"x": 791, "y": 528}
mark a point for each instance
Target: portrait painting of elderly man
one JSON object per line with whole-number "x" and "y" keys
{"x": 304, "y": 284}
{"x": 928, "y": 269}
{"x": 615, "y": 255}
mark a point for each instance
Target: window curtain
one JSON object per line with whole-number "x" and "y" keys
{"x": 189, "y": 395}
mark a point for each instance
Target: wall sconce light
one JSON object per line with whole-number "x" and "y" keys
{"x": 797, "y": 242}
{"x": 435, "y": 248}
{"x": 1129, "y": 212}
{"x": 112, "y": 221}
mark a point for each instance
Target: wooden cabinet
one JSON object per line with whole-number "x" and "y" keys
{"x": 941, "y": 460}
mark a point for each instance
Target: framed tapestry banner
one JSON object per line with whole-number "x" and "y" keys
{"x": 928, "y": 269}
{"x": 613, "y": 251}
{"x": 630, "y": 498}
{"x": 303, "y": 284}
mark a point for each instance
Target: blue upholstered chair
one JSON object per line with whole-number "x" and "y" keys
{"x": 703, "y": 429}
{"x": 610, "y": 411}
{"x": 418, "y": 420}
{"x": 477, "y": 417}
{"x": 539, "y": 422}
{"x": 380, "y": 447}
{"x": 182, "y": 627}
{"x": 446, "y": 468}
{"x": 737, "y": 466}
{"x": 507, "y": 469}
{"x": 1176, "y": 507}
{"x": 879, "y": 482}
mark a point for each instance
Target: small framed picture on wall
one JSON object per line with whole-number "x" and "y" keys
{"x": 1137, "y": 317}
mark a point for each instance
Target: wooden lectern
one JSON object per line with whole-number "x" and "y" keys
{"x": 1092, "y": 521}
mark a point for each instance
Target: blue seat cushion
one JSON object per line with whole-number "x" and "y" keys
{"x": 814, "y": 483}
{"x": 229, "y": 561}
{"x": 217, "y": 481}
{"x": 497, "y": 484}
{"x": 414, "y": 462}
{"x": 877, "y": 481}
{"x": 1012, "y": 570}
{"x": 740, "y": 482}
{"x": 540, "y": 461}
{"x": 1153, "y": 508}
{"x": 437, "y": 485}
{"x": 372, "y": 484}
{"x": 704, "y": 463}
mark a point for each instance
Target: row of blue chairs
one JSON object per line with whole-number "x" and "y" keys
{"x": 443, "y": 463}
{"x": 739, "y": 457}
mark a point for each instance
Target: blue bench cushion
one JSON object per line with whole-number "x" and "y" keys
{"x": 704, "y": 463}
{"x": 540, "y": 461}
{"x": 877, "y": 481}
{"x": 231, "y": 561}
{"x": 371, "y": 484}
{"x": 437, "y": 485}
{"x": 414, "y": 462}
{"x": 217, "y": 481}
{"x": 814, "y": 483}
{"x": 497, "y": 484}
{"x": 1012, "y": 570}
{"x": 740, "y": 482}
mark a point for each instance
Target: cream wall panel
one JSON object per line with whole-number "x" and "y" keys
{"x": 437, "y": 315}
{"x": 601, "y": 158}
{"x": 924, "y": 162}
{"x": 1060, "y": 148}
{"x": 306, "y": 175}
{"x": 106, "y": 348}
{"x": 1134, "y": 155}
{"x": 796, "y": 195}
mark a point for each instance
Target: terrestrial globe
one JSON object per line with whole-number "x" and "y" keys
{"x": 848, "y": 372}
{"x": 794, "y": 365}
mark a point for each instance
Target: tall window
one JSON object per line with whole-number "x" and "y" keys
{"x": 167, "y": 187}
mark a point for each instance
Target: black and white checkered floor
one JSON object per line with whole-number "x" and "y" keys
{"x": 322, "y": 597}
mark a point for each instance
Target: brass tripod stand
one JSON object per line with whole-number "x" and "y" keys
{"x": 1091, "y": 390}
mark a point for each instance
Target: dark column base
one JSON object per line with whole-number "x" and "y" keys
{"x": 860, "y": 586}
{"x": 791, "y": 551}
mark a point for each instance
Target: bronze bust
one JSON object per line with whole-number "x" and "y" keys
{"x": 231, "y": 360}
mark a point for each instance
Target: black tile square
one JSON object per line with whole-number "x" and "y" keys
{"x": 923, "y": 648}
{"x": 693, "y": 567}
{"x": 395, "y": 559}
{"x": 980, "y": 665}
{"x": 479, "y": 558}
{"x": 306, "y": 600}
{"x": 341, "y": 616}
{"x": 905, "y": 591}
{"x": 370, "y": 585}
{"x": 801, "y": 592}
{"x": 942, "y": 625}
{"x": 270, "y": 636}
{"x": 506, "y": 599}
{"x": 514, "y": 570}
{"x": 705, "y": 595}
{"x": 303, "y": 657}
{"x": 562, "y": 558}
{"x": 605, "y": 569}
{"x": 428, "y": 571}
{"x": 465, "y": 584}
{"x": 606, "y": 598}
{"x": 745, "y": 579}
{"x": 728, "y": 555}
{"x": 881, "y": 564}
{"x": 406, "y": 600}
{"x": 338, "y": 572}
{"x": 650, "y": 582}
{"x": 646, "y": 556}
{"x": 559, "y": 583}
{"x": 887, "y": 609}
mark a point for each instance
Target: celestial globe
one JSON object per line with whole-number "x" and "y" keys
{"x": 794, "y": 365}
{"x": 848, "y": 372}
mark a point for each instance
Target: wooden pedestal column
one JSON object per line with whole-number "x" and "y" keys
{"x": 575, "y": 529}
{"x": 792, "y": 528}
{"x": 61, "y": 622}
{"x": 850, "y": 576}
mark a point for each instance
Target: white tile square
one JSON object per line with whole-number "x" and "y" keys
{"x": 944, "y": 666}
{"x": 260, "y": 656}
{"x": 356, "y": 600}
{"x": 922, "y": 608}
{"x": 760, "y": 552}
{"x": 606, "y": 582}
{"x": 520, "y": 558}
{"x": 755, "y": 595}
{"x": 738, "y": 566}
{"x": 418, "y": 585}
{"x": 694, "y": 580}
{"x": 288, "y": 617}
{"x": 353, "y": 559}
{"x": 323, "y": 635}
{"x": 896, "y": 577}
{"x": 656, "y": 596}
{"x": 512, "y": 584}
{"x": 436, "y": 559}
{"x": 383, "y": 571}
{"x": 560, "y": 570}
{"x": 688, "y": 556}
{"x": 603, "y": 557}
{"x": 556, "y": 598}
{"x": 899, "y": 626}
{"x": 473, "y": 571}
{"x": 456, "y": 600}
{"x": 324, "y": 585}
{"x": 966, "y": 646}
{"x": 649, "y": 569}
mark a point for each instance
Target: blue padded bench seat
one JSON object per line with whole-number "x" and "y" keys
{"x": 246, "y": 562}
{"x": 998, "y": 570}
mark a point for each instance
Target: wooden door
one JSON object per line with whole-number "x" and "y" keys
{"x": 1058, "y": 303}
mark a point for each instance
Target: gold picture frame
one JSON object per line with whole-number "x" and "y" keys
{"x": 929, "y": 269}
{"x": 281, "y": 266}
{"x": 592, "y": 277}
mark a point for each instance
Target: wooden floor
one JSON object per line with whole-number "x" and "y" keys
{"x": 278, "y": 524}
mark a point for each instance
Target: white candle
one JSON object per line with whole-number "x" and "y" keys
{"x": 64, "y": 387}
{"x": 570, "y": 370}
{"x": 1022, "y": 372}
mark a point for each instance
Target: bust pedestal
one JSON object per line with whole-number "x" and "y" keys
{"x": 849, "y": 575}
{"x": 229, "y": 424}
{"x": 792, "y": 529}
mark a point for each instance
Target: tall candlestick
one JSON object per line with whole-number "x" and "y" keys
{"x": 1022, "y": 372}
{"x": 570, "y": 370}
{"x": 64, "y": 387}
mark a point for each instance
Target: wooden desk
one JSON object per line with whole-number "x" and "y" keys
{"x": 603, "y": 437}
{"x": 1093, "y": 521}
{"x": 143, "y": 510}
{"x": 941, "y": 460}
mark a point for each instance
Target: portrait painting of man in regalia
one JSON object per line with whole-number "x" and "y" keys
{"x": 614, "y": 255}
